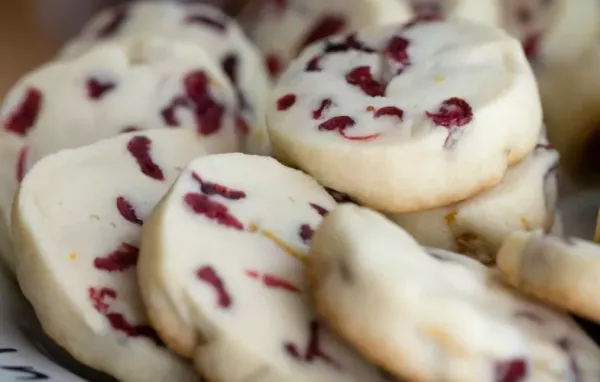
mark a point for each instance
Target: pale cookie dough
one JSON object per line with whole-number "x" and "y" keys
{"x": 205, "y": 26}
{"x": 563, "y": 272}
{"x": 398, "y": 118}
{"x": 222, "y": 274}
{"x": 282, "y": 28}
{"x": 525, "y": 200}
{"x": 116, "y": 87}
{"x": 76, "y": 226}
{"x": 432, "y": 315}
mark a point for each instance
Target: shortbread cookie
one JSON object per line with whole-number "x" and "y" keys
{"x": 222, "y": 275}
{"x": 357, "y": 111}
{"x": 77, "y": 224}
{"x": 563, "y": 272}
{"x": 117, "y": 87}
{"x": 431, "y": 315}
{"x": 525, "y": 200}
{"x": 205, "y": 26}
{"x": 282, "y": 28}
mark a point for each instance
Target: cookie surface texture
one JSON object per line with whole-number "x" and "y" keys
{"x": 76, "y": 225}
{"x": 222, "y": 274}
{"x": 486, "y": 333}
{"x": 355, "y": 111}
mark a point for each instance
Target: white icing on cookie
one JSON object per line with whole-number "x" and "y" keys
{"x": 562, "y": 272}
{"x": 222, "y": 273}
{"x": 139, "y": 84}
{"x": 431, "y": 315}
{"x": 76, "y": 225}
{"x": 524, "y": 200}
{"x": 204, "y": 26}
{"x": 398, "y": 118}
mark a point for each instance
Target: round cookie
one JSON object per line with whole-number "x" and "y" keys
{"x": 525, "y": 200}
{"x": 563, "y": 272}
{"x": 140, "y": 84}
{"x": 205, "y": 26}
{"x": 77, "y": 224}
{"x": 432, "y": 315}
{"x": 222, "y": 274}
{"x": 357, "y": 111}
{"x": 282, "y": 28}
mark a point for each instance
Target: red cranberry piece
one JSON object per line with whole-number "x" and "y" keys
{"x": 210, "y": 276}
{"x": 139, "y": 146}
{"x": 325, "y": 104}
{"x": 340, "y": 124}
{"x": 116, "y": 20}
{"x": 218, "y": 25}
{"x": 325, "y": 27}
{"x": 531, "y": 46}
{"x": 273, "y": 64}
{"x": 97, "y": 89}
{"x": 390, "y": 111}
{"x": 272, "y": 281}
{"x": 306, "y": 233}
{"x": 363, "y": 78}
{"x": 202, "y": 205}
{"x": 313, "y": 64}
{"x": 127, "y": 212}
{"x": 286, "y": 102}
{"x": 397, "y": 50}
{"x": 21, "y": 163}
{"x": 209, "y": 188}
{"x": 515, "y": 370}
{"x": 313, "y": 349}
{"x": 349, "y": 43}
{"x": 546, "y": 146}
{"x": 168, "y": 113}
{"x": 119, "y": 323}
{"x": 25, "y": 115}
{"x": 207, "y": 113}
{"x": 454, "y": 112}
{"x": 320, "y": 210}
{"x": 122, "y": 259}
{"x": 98, "y": 297}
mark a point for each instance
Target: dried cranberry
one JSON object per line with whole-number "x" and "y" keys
{"x": 139, "y": 146}
{"x": 210, "y": 276}
{"x": 209, "y": 188}
{"x": 117, "y": 18}
{"x": 25, "y": 115}
{"x": 340, "y": 124}
{"x": 325, "y": 27}
{"x": 98, "y": 297}
{"x": 120, "y": 260}
{"x": 542, "y": 146}
{"x": 397, "y": 50}
{"x": 121, "y": 324}
{"x": 275, "y": 282}
{"x": 168, "y": 113}
{"x": 390, "y": 111}
{"x": 286, "y": 101}
{"x": 306, "y": 233}
{"x": 203, "y": 205}
{"x": 313, "y": 349}
{"x": 313, "y": 64}
{"x": 349, "y": 43}
{"x": 325, "y": 104}
{"x": 320, "y": 210}
{"x": 273, "y": 64}
{"x": 531, "y": 46}
{"x": 218, "y": 25}
{"x": 362, "y": 77}
{"x": 97, "y": 89}
{"x": 454, "y": 112}
{"x": 207, "y": 113}
{"x": 515, "y": 370}
{"x": 127, "y": 212}
{"x": 21, "y": 163}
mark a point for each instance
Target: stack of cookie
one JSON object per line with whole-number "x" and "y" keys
{"x": 156, "y": 245}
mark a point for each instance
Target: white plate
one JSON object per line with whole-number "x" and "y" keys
{"x": 26, "y": 354}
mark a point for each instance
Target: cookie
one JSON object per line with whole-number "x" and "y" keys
{"x": 431, "y": 315}
{"x": 77, "y": 223}
{"x": 117, "y": 87}
{"x": 525, "y": 200}
{"x": 282, "y": 28}
{"x": 202, "y": 25}
{"x": 396, "y": 117}
{"x": 562, "y": 272}
{"x": 222, "y": 273}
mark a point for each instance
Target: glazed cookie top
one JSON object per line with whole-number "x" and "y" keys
{"x": 232, "y": 270}
{"x": 391, "y": 291}
{"x": 78, "y": 218}
{"x": 282, "y": 28}
{"x": 202, "y": 25}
